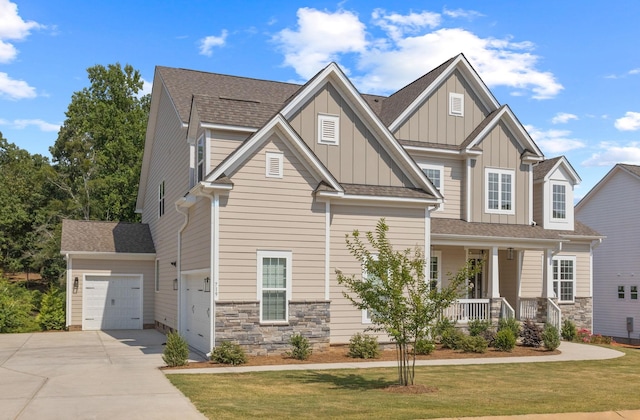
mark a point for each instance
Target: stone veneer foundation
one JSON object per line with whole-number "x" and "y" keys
{"x": 580, "y": 312}
{"x": 239, "y": 322}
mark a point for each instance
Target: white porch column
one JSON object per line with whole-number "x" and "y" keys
{"x": 547, "y": 263}
{"x": 494, "y": 289}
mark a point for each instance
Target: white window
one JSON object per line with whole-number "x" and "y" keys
{"x": 559, "y": 201}
{"x": 157, "y": 277}
{"x": 564, "y": 269}
{"x": 370, "y": 277}
{"x": 328, "y": 129}
{"x": 456, "y": 104}
{"x": 620, "y": 292}
{"x": 633, "y": 292}
{"x": 499, "y": 190}
{"x": 200, "y": 160}
{"x": 274, "y": 165}
{"x": 274, "y": 285}
{"x": 435, "y": 270}
{"x": 161, "y": 199}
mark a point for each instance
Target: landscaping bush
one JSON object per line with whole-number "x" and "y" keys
{"x": 478, "y": 327}
{"x": 473, "y": 344}
{"x": 300, "y": 347}
{"x": 52, "y": 306}
{"x": 451, "y": 338}
{"x": 531, "y": 334}
{"x": 510, "y": 323}
{"x": 443, "y": 324}
{"x": 583, "y": 335}
{"x": 16, "y": 309}
{"x": 569, "y": 331}
{"x": 363, "y": 346}
{"x": 601, "y": 339}
{"x": 550, "y": 337}
{"x": 424, "y": 347}
{"x": 229, "y": 353}
{"x": 490, "y": 337}
{"x": 505, "y": 340}
{"x": 176, "y": 351}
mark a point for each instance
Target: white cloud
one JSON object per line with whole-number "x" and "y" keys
{"x": 554, "y": 142}
{"x": 613, "y": 153}
{"x": 461, "y": 13}
{"x": 319, "y": 39}
{"x": 410, "y": 47}
{"x": 208, "y": 43}
{"x": 146, "y": 88}
{"x": 630, "y": 122}
{"x": 634, "y": 71}
{"x": 563, "y": 118}
{"x": 12, "y": 27}
{"x": 22, "y": 124}
{"x": 15, "y": 89}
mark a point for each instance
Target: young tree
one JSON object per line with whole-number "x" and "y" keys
{"x": 394, "y": 291}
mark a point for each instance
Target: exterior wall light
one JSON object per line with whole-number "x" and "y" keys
{"x": 510, "y": 254}
{"x": 207, "y": 284}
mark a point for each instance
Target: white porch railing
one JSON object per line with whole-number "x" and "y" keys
{"x": 506, "y": 310}
{"x": 554, "y": 314}
{"x": 528, "y": 309}
{"x": 465, "y": 310}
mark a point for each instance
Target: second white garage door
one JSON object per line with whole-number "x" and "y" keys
{"x": 112, "y": 303}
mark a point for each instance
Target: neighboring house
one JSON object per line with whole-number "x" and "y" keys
{"x": 611, "y": 207}
{"x": 249, "y": 186}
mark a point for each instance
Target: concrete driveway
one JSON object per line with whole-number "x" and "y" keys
{"x": 88, "y": 375}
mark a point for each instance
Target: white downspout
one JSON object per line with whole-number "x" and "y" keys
{"x": 214, "y": 264}
{"x": 67, "y": 258}
{"x": 327, "y": 250}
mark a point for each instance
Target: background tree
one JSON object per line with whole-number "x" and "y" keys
{"x": 399, "y": 300}
{"x": 98, "y": 152}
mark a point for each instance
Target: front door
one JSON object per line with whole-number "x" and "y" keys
{"x": 476, "y": 288}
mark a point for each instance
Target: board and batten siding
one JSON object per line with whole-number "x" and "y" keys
{"x": 358, "y": 158}
{"x": 271, "y": 214}
{"x": 612, "y": 211}
{"x": 406, "y": 230}
{"x": 500, "y": 150}
{"x": 432, "y": 123}
{"x": 86, "y": 267}
{"x": 169, "y": 162}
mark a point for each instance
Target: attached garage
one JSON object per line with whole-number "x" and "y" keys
{"x": 112, "y": 302}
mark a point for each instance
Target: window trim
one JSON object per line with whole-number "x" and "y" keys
{"x": 161, "y": 195}
{"x": 269, "y": 158}
{"x": 288, "y": 256}
{"x": 553, "y": 196}
{"x": 453, "y": 98}
{"x": 322, "y": 138}
{"x": 560, "y": 281}
{"x": 438, "y": 256}
{"x": 500, "y": 172}
{"x": 439, "y": 168}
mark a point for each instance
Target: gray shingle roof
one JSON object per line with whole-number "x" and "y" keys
{"x": 540, "y": 170}
{"x": 634, "y": 169}
{"x": 441, "y": 226}
{"x": 383, "y": 191}
{"x": 94, "y": 236}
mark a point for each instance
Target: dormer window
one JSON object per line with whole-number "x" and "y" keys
{"x": 456, "y": 104}
{"x": 328, "y": 129}
{"x": 559, "y": 200}
{"x": 200, "y": 160}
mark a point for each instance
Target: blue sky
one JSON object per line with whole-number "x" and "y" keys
{"x": 570, "y": 70}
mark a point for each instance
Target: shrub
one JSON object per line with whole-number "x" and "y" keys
{"x": 490, "y": 337}
{"x": 451, "y": 338}
{"x": 505, "y": 340}
{"x": 300, "y": 347}
{"x": 583, "y": 335}
{"x": 424, "y": 347}
{"x": 443, "y": 324}
{"x": 176, "y": 351}
{"x": 601, "y": 339}
{"x": 363, "y": 346}
{"x": 478, "y": 327}
{"x": 531, "y": 334}
{"x": 229, "y": 353}
{"x": 473, "y": 344}
{"x": 16, "y": 306}
{"x": 510, "y": 323}
{"x": 569, "y": 331}
{"x": 550, "y": 337}
{"x": 52, "y": 315}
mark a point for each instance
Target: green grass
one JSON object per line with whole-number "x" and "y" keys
{"x": 477, "y": 390}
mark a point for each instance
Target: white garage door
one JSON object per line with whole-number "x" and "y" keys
{"x": 197, "y": 314}
{"x": 112, "y": 303}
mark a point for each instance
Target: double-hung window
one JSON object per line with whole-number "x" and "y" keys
{"x": 370, "y": 277}
{"x": 274, "y": 285}
{"x": 564, "y": 280}
{"x": 200, "y": 160}
{"x": 500, "y": 191}
{"x": 434, "y": 270}
{"x": 559, "y": 201}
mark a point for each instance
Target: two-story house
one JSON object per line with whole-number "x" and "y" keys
{"x": 248, "y": 188}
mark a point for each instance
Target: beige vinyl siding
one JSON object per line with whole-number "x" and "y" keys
{"x": 359, "y": 158}
{"x": 582, "y": 269}
{"x": 406, "y": 230}
{"x": 532, "y": 274}
{"x": 196, "y": 237}
{"x": 222, "y": 143}
{"x": 612, "y": 210}
{"x": 169, "y": 162}
{"x": 432, "y": 123}
{"x": 453, "y": 186}
{"x": 271, "y": 214}
{"x": 453, "y": 258}
{"x": 500, "y": 150}
{"x": 82, "y": 267}
{"x": 538, "y": 203}
{"x": 508, "y": 277}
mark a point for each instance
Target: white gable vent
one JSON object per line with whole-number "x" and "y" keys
{"x": 274, "y": 163}
{"x": 328, "y": 132}
{"x": 456, "y": 104}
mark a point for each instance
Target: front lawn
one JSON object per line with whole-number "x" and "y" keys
{"x": 476, "y": 390}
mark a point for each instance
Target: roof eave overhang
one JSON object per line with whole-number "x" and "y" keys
{"x": 472, "y": 241}
{"x": 91, "y": 255}
{"x": 422, "y": 202}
